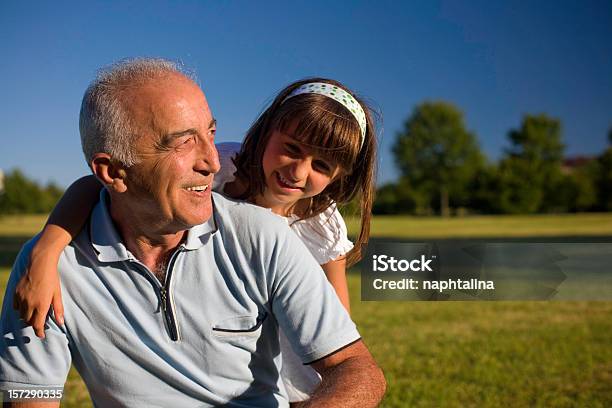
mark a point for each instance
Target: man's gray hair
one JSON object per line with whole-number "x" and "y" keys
{"x": 104, "y": 125}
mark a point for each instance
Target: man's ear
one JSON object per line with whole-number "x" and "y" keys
{"x": 111, "y": 173}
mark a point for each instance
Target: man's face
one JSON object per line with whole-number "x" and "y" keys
{"x": 170, "y": 186}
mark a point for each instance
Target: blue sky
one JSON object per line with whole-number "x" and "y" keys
{"x": 495, "y": 60}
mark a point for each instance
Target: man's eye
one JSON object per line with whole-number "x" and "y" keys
{"x": 188, "y": 140}
{"x": 181, "y": 142}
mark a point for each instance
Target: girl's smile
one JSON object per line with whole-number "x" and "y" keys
{"x": 287, "y": 184}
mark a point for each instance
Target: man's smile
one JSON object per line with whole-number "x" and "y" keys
{"x": 198, "y": 188}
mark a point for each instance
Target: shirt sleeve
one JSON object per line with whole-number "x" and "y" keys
{"x": 325, "y": 235}
{"x": 306, "y": 305}
{"x": 26, "y": 360}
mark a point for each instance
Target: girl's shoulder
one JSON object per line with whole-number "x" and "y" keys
{"x": 325, "y": 235}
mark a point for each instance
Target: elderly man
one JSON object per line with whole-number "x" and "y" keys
{"x": 174, "y": 295}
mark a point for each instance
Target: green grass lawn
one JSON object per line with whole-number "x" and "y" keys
{"x": 489, "y": 226}
{"x": 467, "y": 354}
{"x": 21, "y": 225}
{"x": 495, "y": 354}
{"x": 597, "y": 224}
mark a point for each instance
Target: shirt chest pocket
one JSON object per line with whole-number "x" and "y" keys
{"x": 247, "y": 327}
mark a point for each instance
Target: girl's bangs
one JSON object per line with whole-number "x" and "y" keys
{"x": 324, "y": 125}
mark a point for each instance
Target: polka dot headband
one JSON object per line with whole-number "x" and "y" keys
{"x": 337, "y": 94}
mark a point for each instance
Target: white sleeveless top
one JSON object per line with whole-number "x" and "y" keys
{"x": 326, "y": 238}
{"x": 325, "y": 235}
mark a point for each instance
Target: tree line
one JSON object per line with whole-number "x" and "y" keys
{"x": 20, "y": 195}
{"x": 443, "y": 171}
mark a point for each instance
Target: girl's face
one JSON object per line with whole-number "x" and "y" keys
{"x": 292, "y": 172}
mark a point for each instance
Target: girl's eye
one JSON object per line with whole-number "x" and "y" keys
{"x": 322, "y": 166}
{"x": 292, "y": 149}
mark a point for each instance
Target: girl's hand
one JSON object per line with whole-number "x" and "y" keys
{"x": 39, "y": 289}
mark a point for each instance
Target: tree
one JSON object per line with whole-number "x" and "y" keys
{"x": 530, "y": 172}
{"x": 604, "y": 179}
{"x": 22, "y": 195}
{"x": 483, "y": 190}
{"x": 398, "y": 198}
{"x": 50, "y": 195}
{"x": 583, "y": 182}
{"x": 577, "y": 190}
{"x": 436, "y": 154}
{"x": 386, "y": 200}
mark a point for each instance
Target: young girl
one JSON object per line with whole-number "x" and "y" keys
{"x": 312, "y": 149}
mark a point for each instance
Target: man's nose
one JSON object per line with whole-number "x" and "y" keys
{"x": 208, "y": 158}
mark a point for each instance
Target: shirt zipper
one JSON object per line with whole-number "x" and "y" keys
{"x": 165, "y": 296}
{"x": 167, "y": 300}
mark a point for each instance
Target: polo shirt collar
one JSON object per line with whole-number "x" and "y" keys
{"x": 107, "y": 242}
{"x": 199, "y": 235}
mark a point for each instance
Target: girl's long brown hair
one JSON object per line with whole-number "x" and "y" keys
{"x": 330, "y": 130}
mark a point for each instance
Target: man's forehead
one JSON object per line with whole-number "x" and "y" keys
{"x": 167, "y": 86}
{"x": 168, "y": 104}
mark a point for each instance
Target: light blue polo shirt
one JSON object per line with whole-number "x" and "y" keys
{"x": 206, "y": 336}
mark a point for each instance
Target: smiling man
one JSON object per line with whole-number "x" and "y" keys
{"x": 173, "y": 295}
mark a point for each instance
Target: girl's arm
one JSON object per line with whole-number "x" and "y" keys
{"x": 336, "y": 275}
{"x": 39, "y": 287}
